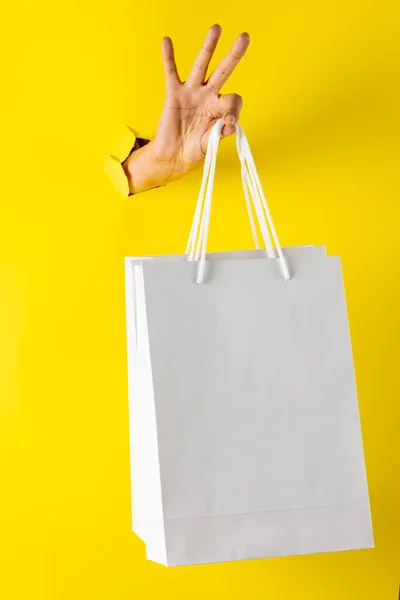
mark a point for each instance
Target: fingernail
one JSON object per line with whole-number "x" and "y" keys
{"x": 230, "y": 119}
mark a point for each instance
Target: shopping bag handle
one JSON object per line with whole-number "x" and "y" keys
{"x": 197, "y": 243}
{"x": 248, "y": 182}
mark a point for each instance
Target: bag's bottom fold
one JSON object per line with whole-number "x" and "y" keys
{"x": 265, "y": 534}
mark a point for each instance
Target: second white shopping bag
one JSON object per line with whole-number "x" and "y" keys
{"x": 246, "y": 439}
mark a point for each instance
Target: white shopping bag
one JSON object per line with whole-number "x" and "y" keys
{"x": 244, "y": 423}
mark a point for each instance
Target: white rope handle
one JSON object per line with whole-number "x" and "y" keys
{"x": 193, "y": 249}
{"x": 253, "y": 174}
{"x": 201, "y": 248}
{"x": 197, "y": 243}
{"x": 250, "y": 178}
{"x": 248, "y": 195}
{"x": 249, "y": 183}
{"x": 191, "y": 245}
{"x": 205, "y": 222}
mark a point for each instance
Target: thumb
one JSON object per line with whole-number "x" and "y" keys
{"x": 230, "y": 106}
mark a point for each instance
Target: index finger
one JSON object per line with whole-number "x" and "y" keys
{"x": 227, "y": 65}
{"x": 171, "y": 72}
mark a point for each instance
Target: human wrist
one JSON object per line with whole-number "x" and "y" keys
{"x": 145, "y": 170}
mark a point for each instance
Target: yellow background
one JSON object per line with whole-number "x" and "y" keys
{"x": 321, "y": 109}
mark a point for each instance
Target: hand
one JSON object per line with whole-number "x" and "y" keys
{"x": 191, "y": 108}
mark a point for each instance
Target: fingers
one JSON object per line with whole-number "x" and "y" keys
{"x": 228, "y": 64}
{"x": 230, "y": 106}
{"x": 199, "y": 70}
{"x": 171, "y": 72}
